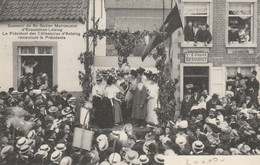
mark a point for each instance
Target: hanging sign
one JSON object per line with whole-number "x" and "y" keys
{"x": 196, "y": 57}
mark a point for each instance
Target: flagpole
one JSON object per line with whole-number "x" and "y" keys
{"x": 163, "y": 9}
{"x": 94, "y": 26}
{"x": 170, "y": 43}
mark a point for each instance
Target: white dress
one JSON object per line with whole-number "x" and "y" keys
{"x": 153, "y": 91}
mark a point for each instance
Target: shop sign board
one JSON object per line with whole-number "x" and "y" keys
{"x": 196, "y": 57}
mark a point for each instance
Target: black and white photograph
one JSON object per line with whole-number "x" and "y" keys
{"x": 129, "y": 82}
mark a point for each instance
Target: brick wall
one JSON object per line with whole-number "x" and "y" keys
{"x": 219, "y": 54}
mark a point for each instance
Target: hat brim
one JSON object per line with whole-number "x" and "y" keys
{"x": 129, "y": 160}
{"x": 157, "y": 160}
{"x": 60, "y": 149}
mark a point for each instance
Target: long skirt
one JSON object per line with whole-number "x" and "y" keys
{"x": 117, "y": 112}
{"x": 103, "y": 112}
{"x": 151, "y": 117}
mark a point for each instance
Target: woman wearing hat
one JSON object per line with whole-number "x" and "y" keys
{"x": 102, "y": 104}
{"x": 111, "y": 92}
{"x": 153, "y": 90}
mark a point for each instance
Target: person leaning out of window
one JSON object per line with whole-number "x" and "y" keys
{"x": 233, "y": 35}
{"x": 188, "y": 32}
{"x": 203, "y": 35}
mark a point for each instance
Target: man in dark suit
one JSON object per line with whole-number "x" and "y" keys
{"x": 253, "y": 87}
{"x": 62, "y": 99}
{"x": 213, "y": 102}
{"x": 186, "y": 106}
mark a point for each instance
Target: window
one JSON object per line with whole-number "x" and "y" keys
{"x": 241, "y": 24}
{"x": 35, "y": 50}
{"x": 232, "y": 71}
{"x": 197, "y": 21}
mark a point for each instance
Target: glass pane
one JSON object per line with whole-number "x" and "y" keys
{"x": 245, "y": 71}
{"x": 48, "y": 50}
{"x": 240, "y": 8}
{"x": 40, "y": 50}
{"x": 195, "y": 9}
{"x": 239, "y": 29}
{"x": 196, "y": 71}
{"x": 31, "y": 50}
{"x": 23, "y": 50}
{"x": 231, "y": 72}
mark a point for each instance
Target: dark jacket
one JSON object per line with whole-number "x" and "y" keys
{"x": 203, "y": 36}
{"x": 233, "y": 37}
{"x": 188, "y": 34}
{"x": 185, "y": 108}
{"x": 252, "y": 84}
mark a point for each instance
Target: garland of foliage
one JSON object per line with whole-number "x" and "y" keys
{"x": 85, "y": 79}
{"x": 167, "y": 88}
{"x": 124, "y": 41}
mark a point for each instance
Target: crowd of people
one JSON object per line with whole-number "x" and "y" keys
{"x": 239, "y": 33}
{"x": 197, "y": 32}
{"x": 32, "y": 80}
{"x": 38, "y": 128}
{"x": 123, "y": 96}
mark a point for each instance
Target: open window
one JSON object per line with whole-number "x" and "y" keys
{"x": 241, "y": 26}
{"x": 197, "y": 21}
{"x": 36, "y": 66}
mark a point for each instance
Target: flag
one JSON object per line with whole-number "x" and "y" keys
{"x": 170, "y": 25}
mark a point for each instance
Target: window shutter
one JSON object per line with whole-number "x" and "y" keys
{"x": 217, "y": 79}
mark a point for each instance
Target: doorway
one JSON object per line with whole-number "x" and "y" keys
{"x": 199, "y": 75}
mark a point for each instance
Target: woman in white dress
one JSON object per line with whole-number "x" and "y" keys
{"x": 110, "y": 92}
{"x": 153, "y": 90}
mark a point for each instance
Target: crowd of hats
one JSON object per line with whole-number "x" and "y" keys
{"x": 115, "y": 73}
{"x": 220, "y": 129}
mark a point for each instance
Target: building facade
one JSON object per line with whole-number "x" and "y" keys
{"x": 49, "y": 33}
{"x": 234, "y": 26}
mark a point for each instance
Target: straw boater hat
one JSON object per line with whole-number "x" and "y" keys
{"x": 256, "y": 151}
{"x": 60, "y": 147}
{"x": 103, "y": 145}
{"x": 114, "y": 158}
{"x": 144, "y": 159}
{"x": 182, "y": 124}
{"x": 41, "y": 154}
{"x": 98, "y": 78}
{"x": 22, "y": 141}
{"x": 53, "y": 109}
{"x": 135, "y": 162}
{"x": 131, "y": 155}
{"x": 66, "y": 161}
{"x": 197, "y": 146}
{"x": 55, "y": 156}
{"x": 128, "y": 127}
{"x": 169, "y": 152}
{"x": 129, "y": 143}
{"x": 66, "y": 111}
{"x": 30, "y": 142}
{"x": 44, "y": 147}
{"x": 25, "y": 149}
{"x": 235, "y": 151}
{"x": 101, "y": 137}
{"x": 104, "y": 163}
{"x": 121, "y": 163}
{"x": 31, "y": 134}
{"x": 6, "y": 150}
{"x": 146, "y": 145}
{"x": 243, "y": 148}
{"x": 72, "y": 99}
{"x": 159, "y": 158}
{"x": 181, "y": 140}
